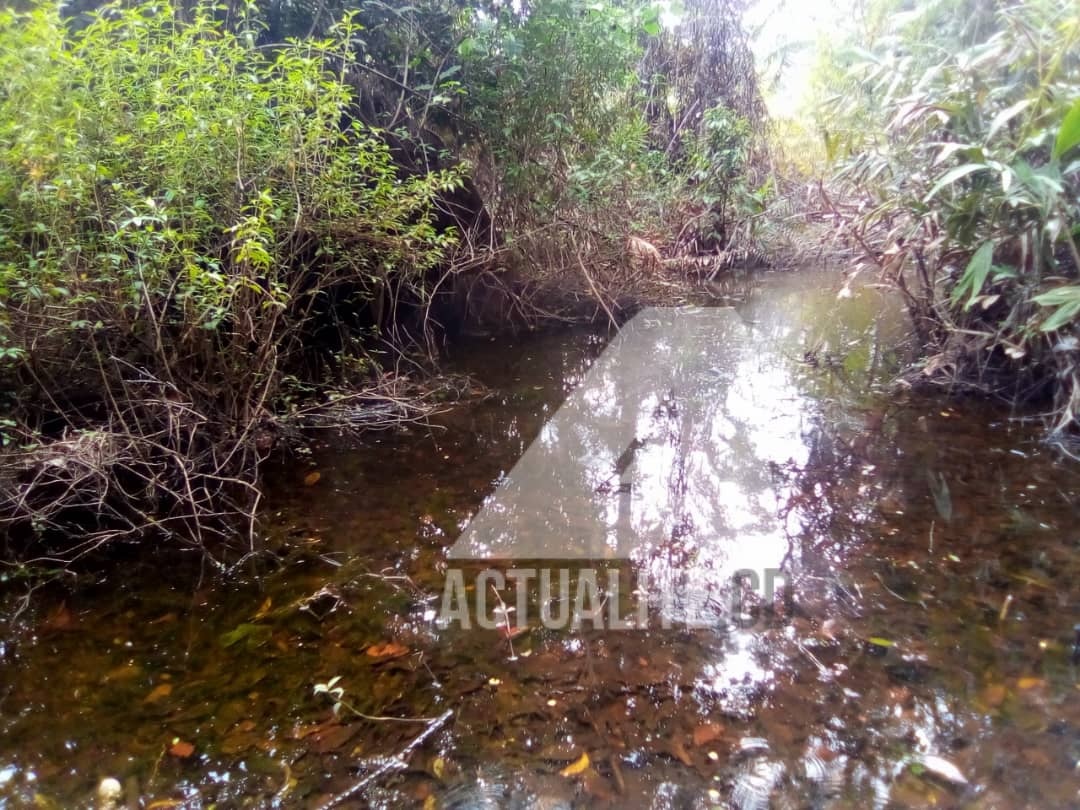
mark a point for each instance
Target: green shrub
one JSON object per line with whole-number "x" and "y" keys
{"x": 181, "y": 213}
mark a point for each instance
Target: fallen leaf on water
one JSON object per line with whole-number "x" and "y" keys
{"x": 388, "y": 650}
{"x": 1030, "y": 682}
{"x": 943, "y": 769}
{"x": 164, "y": 804}
{"x": 877, "y": 641}
{"x": 312, "y": 478}
{"x": 575, "y": 768}
{"x": 181, "y": 749}
{"x": 160, "y": 691}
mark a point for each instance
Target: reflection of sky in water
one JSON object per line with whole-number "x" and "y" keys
{"x": 667, "y": 454}
{"x": 662, "y": 454}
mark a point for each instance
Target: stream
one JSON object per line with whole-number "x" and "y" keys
{"x": 841, "y": 594}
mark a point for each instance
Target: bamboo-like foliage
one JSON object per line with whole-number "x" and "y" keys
{"x": 966, "y": 192}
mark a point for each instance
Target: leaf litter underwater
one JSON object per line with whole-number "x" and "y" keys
{"x": 924, "y": 655}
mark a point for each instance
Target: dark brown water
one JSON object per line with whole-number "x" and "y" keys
{"x": 924, "y": 660}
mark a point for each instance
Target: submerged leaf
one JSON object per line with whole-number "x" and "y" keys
{"x": 181, "y": 749}
{"x": 159, "y": 692}
{"x": 577, "y": 767}
{"x": 388, "y": 650}
{"x": 943, "y": 769}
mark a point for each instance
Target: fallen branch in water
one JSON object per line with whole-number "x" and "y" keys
{"x": 394, "y": 763}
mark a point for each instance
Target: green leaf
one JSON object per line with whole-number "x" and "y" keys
{"x": 1069, "y": 134}
{"x": 1006, "y": 115}
{"x": 1067, "y": 301}
{"x": 1062, "y": 316}
{"x": 952, "y": 176}
{"x": 467, "y": 46}
{"x": 978, "y": 268}
{"x": 1058, "y": 296}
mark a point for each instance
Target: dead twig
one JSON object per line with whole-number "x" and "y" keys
{"x": 395, "y": 763}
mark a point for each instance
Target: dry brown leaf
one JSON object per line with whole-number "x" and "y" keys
{"x": 332, "y": 738}
{"x": 707, "y": 733}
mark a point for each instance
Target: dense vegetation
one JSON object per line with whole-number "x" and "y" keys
{"x": 213, "y": 217}
{"x": 218, "y": 221}
{"x": 951, "y": 128}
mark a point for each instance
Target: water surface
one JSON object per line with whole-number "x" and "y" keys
{"x": 925, "y": 658}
